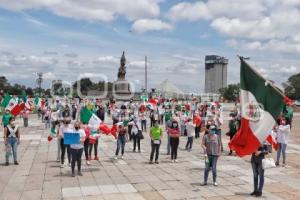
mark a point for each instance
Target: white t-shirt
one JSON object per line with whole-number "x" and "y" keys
{"x": 81, "y": 134}
{"x": 283, "y": 133}
{"x": 190, "y": 129}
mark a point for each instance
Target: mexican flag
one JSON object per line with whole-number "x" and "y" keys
{"x": 12, "y": 105}
{"x": 261, "y": 104}
{"x": 90, "y": 118}
{"x": 39, "y": 102}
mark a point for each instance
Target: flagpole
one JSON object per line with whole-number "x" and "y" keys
{"x": 256, "y": 72}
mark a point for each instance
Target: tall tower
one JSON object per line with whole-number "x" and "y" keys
{"x": 215, "y": 73}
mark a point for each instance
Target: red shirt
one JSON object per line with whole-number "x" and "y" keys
{"x": 174, "y": 132}
{"x": 197, "y": 121}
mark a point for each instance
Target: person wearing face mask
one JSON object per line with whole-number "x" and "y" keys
{"x": 211, "y": 145}
{"x": 282, "y": 136}
{"x": 63, "y": 129}
{"x": 11, "y": 140}
{"x": 136, "y": 138}
{"x": 156, "y": 135}
{"x": 174, "y": 134}
{"x": 77, "y": 149}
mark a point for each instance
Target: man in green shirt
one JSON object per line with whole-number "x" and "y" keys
{"x": 156, "y": 134}
{"x": 5, "y": 118}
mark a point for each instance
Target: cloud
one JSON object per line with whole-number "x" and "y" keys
{"x": 146, "y": 25}
{"x": 71, "y": 55}
{"x": 94, "y": 10}
{"x": 201, "y": 10}
{"x": 107, "y": 59}
{"x": 32, "y": 61}
{"x": 49, "y": 76}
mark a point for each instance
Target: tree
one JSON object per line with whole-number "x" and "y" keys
{"x": 292, "y": 89}
{"x": 231, "y": 92}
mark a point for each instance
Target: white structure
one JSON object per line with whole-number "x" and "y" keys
{"x": 168, "y": 89}
{"x": 215, "y": 73}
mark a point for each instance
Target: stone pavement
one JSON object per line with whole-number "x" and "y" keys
{"x": 39, "y": 176}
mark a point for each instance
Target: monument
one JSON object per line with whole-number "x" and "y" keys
{"x": 122, "y": 86}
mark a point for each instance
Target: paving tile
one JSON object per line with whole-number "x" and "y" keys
{"x": 71, "y": 192}
{"x": 90, "y": 190}
{"x": 126, "y": 188}
{"x": 108, "y": 189}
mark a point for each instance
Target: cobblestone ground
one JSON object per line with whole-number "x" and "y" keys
{"x": 39, "y": 176}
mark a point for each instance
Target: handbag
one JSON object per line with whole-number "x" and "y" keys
{"x": 140, "y": 135}
{"x": 268, "y": 163}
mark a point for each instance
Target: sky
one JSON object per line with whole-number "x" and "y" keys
{"x": 69, "y": 39}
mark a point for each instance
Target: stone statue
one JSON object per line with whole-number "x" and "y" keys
{"x": 122, "y": 68}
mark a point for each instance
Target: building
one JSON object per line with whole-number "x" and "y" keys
{"x": 215, "y": 73}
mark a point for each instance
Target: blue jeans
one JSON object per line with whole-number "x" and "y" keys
{"x": 144, "y": 125}
{"x": 189, "y": 143}
{"x": 258, "y": 171}
{"x": 121, "y": 144}
{"x": 211, "y": 165}
{"x": 281, "y": 148}
{"x": 12, "y": 144}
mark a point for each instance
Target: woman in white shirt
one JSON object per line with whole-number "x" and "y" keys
{"x": 77, "y": 149}
{"x": 282, "y": 135}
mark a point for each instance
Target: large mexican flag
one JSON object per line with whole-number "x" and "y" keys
{"x": 261, "y": 104}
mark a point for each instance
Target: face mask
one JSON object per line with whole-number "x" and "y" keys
{"x": 212, "y": 132}
{"x": 175, "y": 125}
{"x": 12, "y": 123}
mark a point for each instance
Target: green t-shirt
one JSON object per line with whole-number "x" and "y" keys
{"x": 156, "y": 132}
{"x": 168, "y": 116}
{"x": 5, "y": 119}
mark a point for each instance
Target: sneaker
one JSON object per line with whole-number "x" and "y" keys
{"x": 16, "y": 163}
{"x": 62, "y": 166}
{"x": 277, "y": 163}
{"x": 150, "y": 162}
{"x": 176, "y": 160}
{"x": 203, "y": 184}
{"x": 253, "y": 193}
{"x": 215, "y": 184}
{"x": 116, "y": 158}
{"x": 88, "y": 162}
{"x": 96, "y": 158}
{"x": 283, "y": 164}
{"x": 156, "y": 162}
{"x": 122, "y": 157}
{"x": 6, "y": 163}
{"x": 80, "y": 174}
{"x": 173, "y": 161}
{"x": 57, "y": 160}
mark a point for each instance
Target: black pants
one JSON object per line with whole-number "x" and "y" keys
{"x": 161, "y": 119}
{"x": 63, "y": 151}
{"x": 95, "y": 148}
{"x": 86, "y": 148}
{"x": 174, "y": 142}
{"x": 130, "y": 132}
{"x": 136, "y": 141}
{"x": 231, "y": 136}
{"x": 154, "y": 149}
{"x": 76, "y": 157}
{"x": 151, "y": 122}
{"x": 197, "y": 131}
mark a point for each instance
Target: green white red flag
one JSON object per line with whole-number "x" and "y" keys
{"x": 261, "y": 104}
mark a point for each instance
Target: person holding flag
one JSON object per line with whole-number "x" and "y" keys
{"x": 5, "y": 118}
{"x": 66, "y": 127}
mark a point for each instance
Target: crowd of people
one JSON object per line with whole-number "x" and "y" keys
{"x": 134, "y": 120}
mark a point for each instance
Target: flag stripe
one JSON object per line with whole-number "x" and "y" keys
{"x": 271, "y": 99}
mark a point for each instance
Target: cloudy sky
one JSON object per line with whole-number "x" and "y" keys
{"x": 66, "y": 39}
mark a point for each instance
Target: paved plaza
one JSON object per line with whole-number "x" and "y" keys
{"x": 39, "y": 176}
